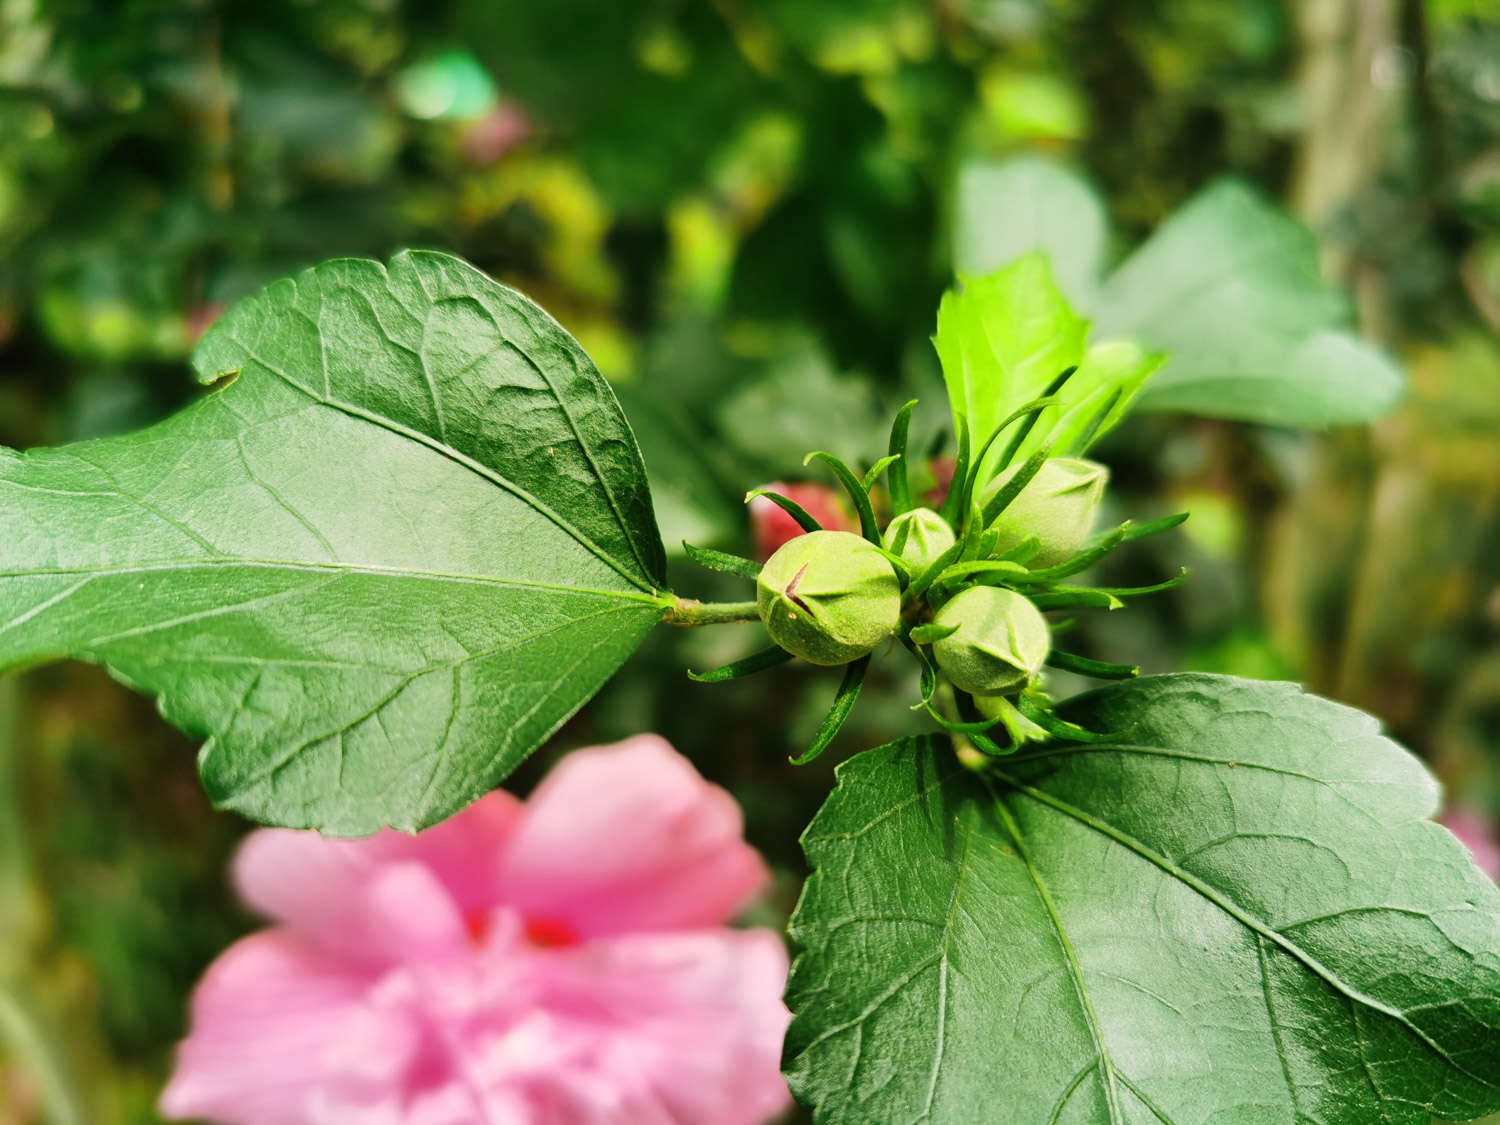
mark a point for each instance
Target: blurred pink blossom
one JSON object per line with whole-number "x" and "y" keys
{"x": 200, "y": 318}
{"x": 1476, "y": 832}
{"x": 490, "y": 137}
{"x": 558, "y": 962}
{"x": 773, "y": 528}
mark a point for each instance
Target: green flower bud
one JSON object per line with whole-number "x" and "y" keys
{"x": 1001, "y": 642}
{"x": 927, "y": 536}
{"x": 1058, "y": 506}
{"x": 829, "y": 597}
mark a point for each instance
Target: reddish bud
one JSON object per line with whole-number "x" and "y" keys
{"x": 773, "y": 528}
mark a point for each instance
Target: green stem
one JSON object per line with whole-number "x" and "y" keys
{"x": 19, "y": 1033}
{"x": 689, "y": 611}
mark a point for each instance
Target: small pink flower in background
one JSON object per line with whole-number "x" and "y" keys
{"x": 1477, "y": 833}
{"x": 490, "y": 137}
{"x": 558, "y": 962}
{"x": 773, "y": 528}
{"x": 200, "y": 318}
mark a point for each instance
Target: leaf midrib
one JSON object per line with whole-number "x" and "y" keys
{"x": 1102, "y": 1059}
{"x": 460, "y": 458}
{"x": 231, "y": 562}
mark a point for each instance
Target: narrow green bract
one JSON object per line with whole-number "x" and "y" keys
{"x": 1237, "y": 910}
{"x": 405, "y": 540}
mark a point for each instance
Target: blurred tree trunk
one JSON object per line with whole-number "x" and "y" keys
{"x": 1347, "y": 115}
{"x": 1377, "y": 570}
{"x": 1321, "y": 535}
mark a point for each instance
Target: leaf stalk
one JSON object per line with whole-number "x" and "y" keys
{"x": 690, "y": 611}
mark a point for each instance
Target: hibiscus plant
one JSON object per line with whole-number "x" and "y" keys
{"x": 408, "y": 533}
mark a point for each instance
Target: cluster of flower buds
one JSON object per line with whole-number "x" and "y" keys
{"x": 965, "y": 587}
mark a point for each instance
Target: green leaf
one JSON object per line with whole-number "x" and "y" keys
{"x": 1237, "y": 910}
{"x": 375, "y": 568}
{"x": 1229, "y": 287}
{"x": 1327, "y": 379}
{"x": 1002, "y": 339}
{"x": 801, "y": 403}
{"x": 1009, "y": 208}
{"x": 1101, "y": 392}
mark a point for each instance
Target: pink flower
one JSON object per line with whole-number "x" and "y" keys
{"x": 1475, "y": 831}
{"x": 490, "y": 137}
{"x": 561, "y": 962}
{"x": 773, "y": 528}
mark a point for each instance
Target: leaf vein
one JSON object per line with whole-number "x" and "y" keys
{"x": 1244, "y": 917}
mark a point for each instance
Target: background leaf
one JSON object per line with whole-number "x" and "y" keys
{"x": 406, "y": 542}
{"x": 1331, "y": 377}
{"x": 1009, "y": 208}
{"x": 1230, "y": 288}
{"x": 800, "y": 405}
{"x": 1236, "y": 913}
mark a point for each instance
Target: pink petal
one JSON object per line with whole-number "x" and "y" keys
{"x": 467, "y": 850}
{"x": 682, "y": 1029}
{"x": 261, "y": 1020}
{"x": 347, "y": 897}
{"x": 626, "y": 838}
{"x": 1476, "y": 832}
{"x": 319, "y": 886}
{"x": 408, "y": 915}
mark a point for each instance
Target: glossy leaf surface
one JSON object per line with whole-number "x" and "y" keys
{"x": 1236, "y": 911}
{"x": 406, "y": 537}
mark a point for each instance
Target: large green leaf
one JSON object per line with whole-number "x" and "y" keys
{"x": 1230, "y": 288}
{"x": 406, "y": 541}
{"x": 1236, "y": 913}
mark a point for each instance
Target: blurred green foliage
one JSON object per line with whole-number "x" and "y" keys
{"x": 746, "y": 212}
